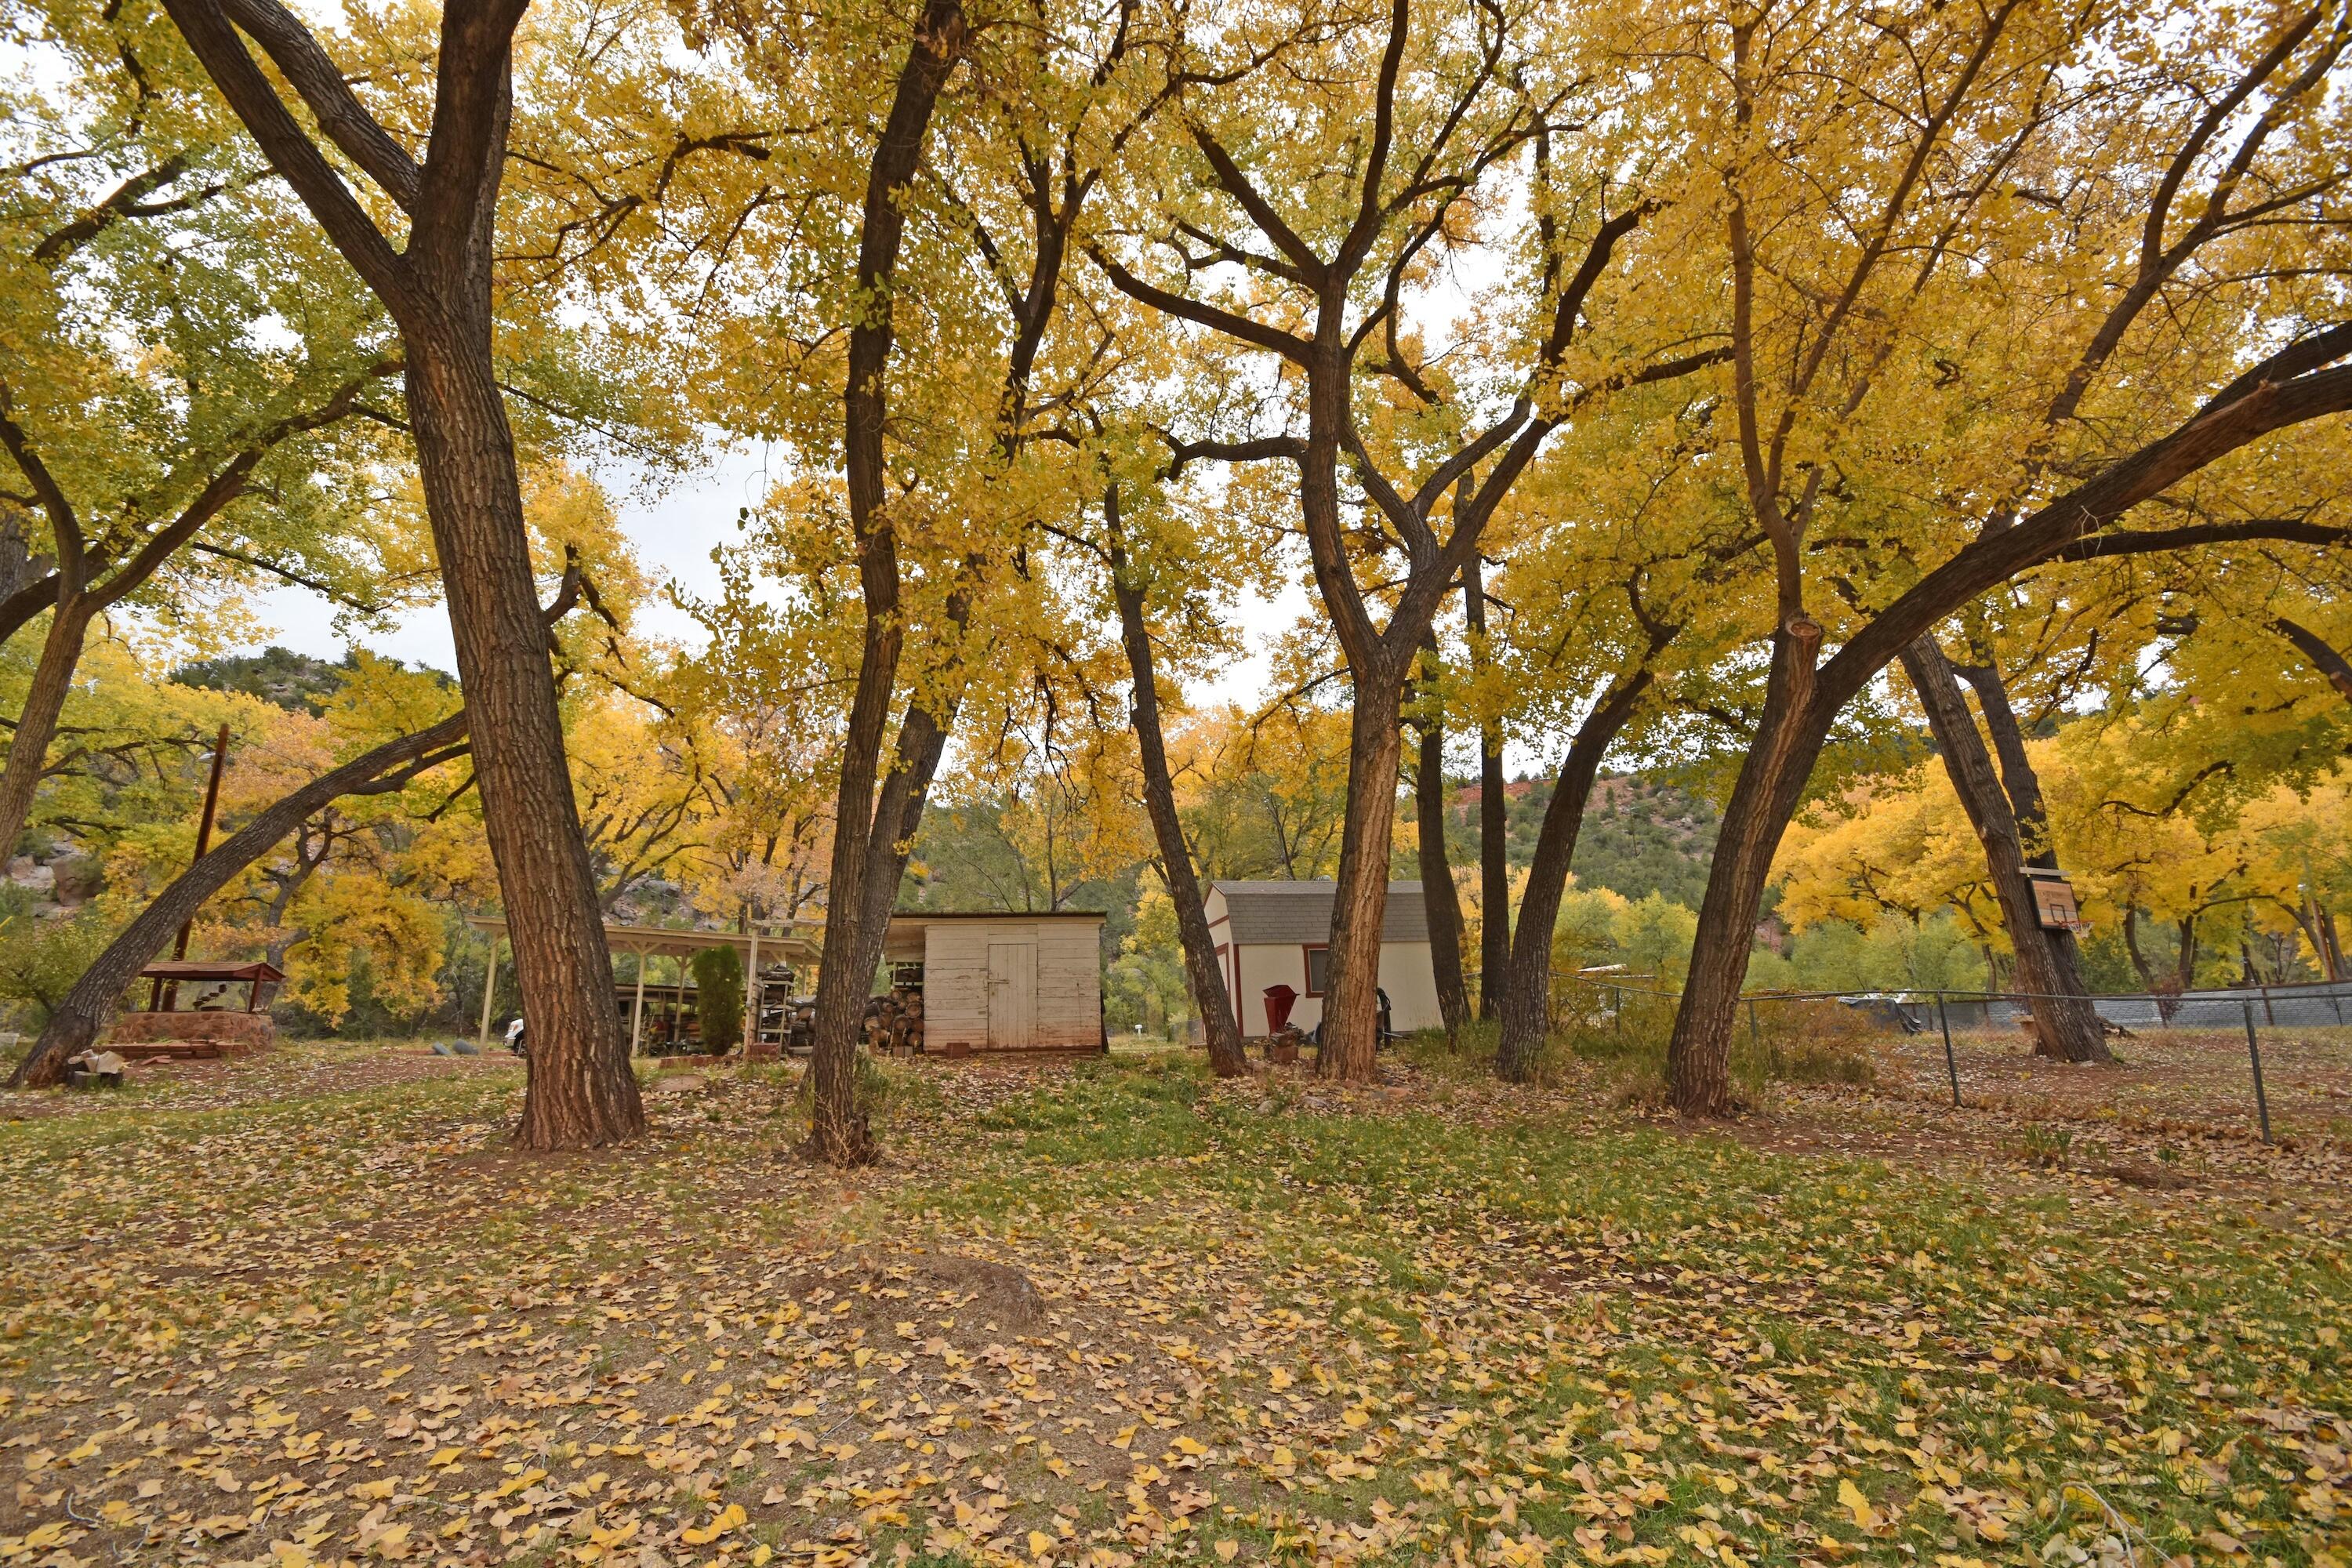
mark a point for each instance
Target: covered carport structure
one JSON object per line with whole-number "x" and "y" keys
{"x": 665, "y": 942}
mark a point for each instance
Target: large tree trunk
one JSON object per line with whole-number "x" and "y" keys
{"x": 1220, "y": 1024}
{"x": 1526, "y": 984}
{"x": 76, "y": 1022}
{"x": 870, "y": 837}
{"x": 582, "y": 1094}
{"x": 2022, "y": 787}
{"x": 1351, "y": 1029}
{"x": 837, "y": 1133}
{"x": 2066, "y": 1026}
{"x": 37, "y": 725}
{"x": 439, "y": 288}
{"x": 1789, "y": 737}
{"x": 1437, "y": 896}
{"x": 1494, "y": 823}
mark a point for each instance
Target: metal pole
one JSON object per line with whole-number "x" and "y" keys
{"x": 490, "y": 989}
{"x": 156, "y": 994}
{"x": 2254, "y": 1055}
{"x": 1754, "y": 1037}
{"x": 1619, "y": 992}
{"x": 1951, "y": 1067}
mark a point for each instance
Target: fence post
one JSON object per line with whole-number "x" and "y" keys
{"x": 2254, "y": 1055}
{"x": 1754, "y": 1036}
{"x": 1951, "y": 1067}
{"x": 1618, "y": 1009}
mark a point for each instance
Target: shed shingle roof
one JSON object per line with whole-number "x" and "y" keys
{"x": 1301, "y": 911}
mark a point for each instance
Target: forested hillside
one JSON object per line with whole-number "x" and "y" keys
{"x": 1641, "y": 835}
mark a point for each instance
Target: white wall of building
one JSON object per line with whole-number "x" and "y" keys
{"x": 1065, "y": 983}
{"x": 1407, "y": 973}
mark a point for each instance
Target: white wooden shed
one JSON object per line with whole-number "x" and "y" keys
{"x": 1006, "y": 983}
{"x": 1280, "y": 933}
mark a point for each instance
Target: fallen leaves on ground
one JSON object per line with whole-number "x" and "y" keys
{"x": 1116, "y": 1313}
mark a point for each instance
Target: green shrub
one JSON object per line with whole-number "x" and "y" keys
{"x": 1776, "y": 1042}
{"x": 885, "y": 1091}
{"x": 718, "y": 996}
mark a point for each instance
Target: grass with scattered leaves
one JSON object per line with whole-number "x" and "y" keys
{"x": 309, "y": 1308}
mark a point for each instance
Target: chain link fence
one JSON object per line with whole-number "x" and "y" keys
{"x": 2267, "y": 1061}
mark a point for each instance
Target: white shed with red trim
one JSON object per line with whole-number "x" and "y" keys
{"x": 1280, "y": 933}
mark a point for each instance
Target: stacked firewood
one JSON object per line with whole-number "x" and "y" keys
{"x": 894, "y": 1022}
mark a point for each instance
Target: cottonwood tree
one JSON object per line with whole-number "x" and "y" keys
{"x": 1628, "y": 579}
{"x": 754, "y": 700}
{"x": 1493, "y": 810}
{"x": 2235, "y": 171}
{"x": 878, "y": 811}
{"x": 1152, "y": 560}
{"x": 395, "y": 730}
{"x": 1431, "y": 804}
{"x": 237, "y": 446}
{"x": 1165, "y": 560}
{"x": 1311, "y": 245}
{"x": 925, "y": 461}
{"x": 1143, "y": 576}
{"x": 421, "y": 233}
{"x": 1263, "y": 796}
{"x": 982, "y": 152}
{"x": 1833, "y": 342}
{"x": 75, "y": 1023}
{"x": 2180, "y": 881}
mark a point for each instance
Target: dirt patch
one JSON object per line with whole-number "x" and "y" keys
{"x": 2138, "y": 1174}
{"x": 289, "y": 1071}
{"x": 999, "y": 1294}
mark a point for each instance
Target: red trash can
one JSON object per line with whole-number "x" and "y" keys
{"x": 1279, "y": 1000}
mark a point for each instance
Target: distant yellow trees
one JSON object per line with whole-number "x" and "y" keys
{"x": 2188, "y": 893}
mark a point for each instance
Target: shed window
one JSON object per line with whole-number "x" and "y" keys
{"x": 1319, "y": 968}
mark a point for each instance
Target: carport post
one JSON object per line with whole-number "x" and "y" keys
{"x": 637, "y": 1007}
{"x": 490, "y": 989}
{"x": 752, "y": 995}
{"x": 2254, "y": 1055}
{"x": 1951, "y": 1068}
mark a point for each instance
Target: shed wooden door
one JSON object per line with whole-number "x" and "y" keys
{"x": 1011, "y": 995}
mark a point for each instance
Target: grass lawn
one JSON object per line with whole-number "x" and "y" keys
{"x": 308, "y": 1308}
